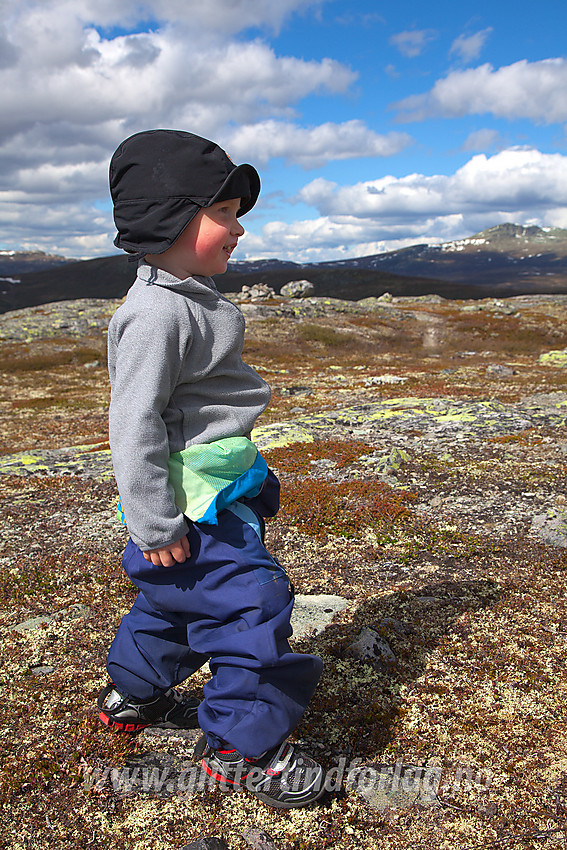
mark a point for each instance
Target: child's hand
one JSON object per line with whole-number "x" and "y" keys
{"x": 167, "y": 556}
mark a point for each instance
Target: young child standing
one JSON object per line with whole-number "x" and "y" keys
{"x": 193, "y": 488}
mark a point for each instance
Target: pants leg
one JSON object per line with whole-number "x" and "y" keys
{"x": 234, "y": 604}
{"x": 150, "y": 652}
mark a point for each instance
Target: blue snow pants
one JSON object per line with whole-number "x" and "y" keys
{"x": 229, "y": 604}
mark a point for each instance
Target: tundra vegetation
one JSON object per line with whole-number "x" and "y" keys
{"x": 422, "y": 450}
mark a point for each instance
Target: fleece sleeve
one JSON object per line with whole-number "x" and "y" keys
{"x": 148, "y": 349}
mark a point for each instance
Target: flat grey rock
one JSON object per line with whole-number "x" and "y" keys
{"x": 41, "y": 669}
{"x": 314, "y": 613}
{"x": 74, "y": 612}
{"x": 395, "y": 786}
{"x": 185, "y": 737}
{"x": 551, "y": 527}
{"x": 32, "y": 624}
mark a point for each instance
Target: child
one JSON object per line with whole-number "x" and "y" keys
{"x": 193, "y": 488}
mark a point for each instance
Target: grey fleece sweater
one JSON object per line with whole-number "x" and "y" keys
{"x": 177, "y": 378}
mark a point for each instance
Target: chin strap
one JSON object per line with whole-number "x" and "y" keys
{"x": 135, "y": 258}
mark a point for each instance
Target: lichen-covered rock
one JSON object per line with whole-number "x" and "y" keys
{"x": 551, "y": 527}
{"x": 396, "y": 786}
{"x": 372, "y": 648}
{"x": 313, "y": 613}
{"x": 298, "y": 289}
{"x": 554, "y": 358}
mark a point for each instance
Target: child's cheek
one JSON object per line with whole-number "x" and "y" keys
{"x": 210, "y": 243}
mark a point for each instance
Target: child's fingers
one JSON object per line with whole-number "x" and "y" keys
{"x": 185, "y": 544}
{"x": 176, "y": 553}
{"x": 167, "y": 556}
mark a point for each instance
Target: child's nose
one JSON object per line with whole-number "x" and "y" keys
{"x": 237, "y": 228}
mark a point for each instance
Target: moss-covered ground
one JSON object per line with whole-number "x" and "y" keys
{"x": 433, "y": 549}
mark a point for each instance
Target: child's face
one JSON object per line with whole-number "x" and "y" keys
{"x": 205, "y": 246}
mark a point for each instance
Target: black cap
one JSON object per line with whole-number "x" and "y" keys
{"x": 160, "y": 179}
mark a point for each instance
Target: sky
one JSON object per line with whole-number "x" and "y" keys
{"x": 373, "y": 125}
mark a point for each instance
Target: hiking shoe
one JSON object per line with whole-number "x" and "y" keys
{"x": 282, "y": 777}
{"x": 169, "y": 710}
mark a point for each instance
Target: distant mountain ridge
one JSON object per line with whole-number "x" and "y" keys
{"x": 531, "y": 248}
{"x": 508, "y": 259}
{"x": 22, "y": 262}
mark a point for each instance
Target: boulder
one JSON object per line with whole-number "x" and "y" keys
{"x": 298, "y": 289}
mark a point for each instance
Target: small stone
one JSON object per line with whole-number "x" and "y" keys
{"x": 490, "y": 809}
{"x": 258, "y": 839}
{"x": 206, "y": 843}
{"x": 436, "y": 502}
{"x": 41, "y": 669}
{"x": 370, "y": 646}
{"x": 497, "y": 370}
{"x": 323, "y": 463}
{"x": 384, "y": 379}
{"x": 401, "y": 629}
{"x": 296, "y": 390}
{"x": 432, "y": 600}
{"x": 185, "y": 737}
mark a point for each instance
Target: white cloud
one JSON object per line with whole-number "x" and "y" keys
{"x": 148, "y": 75}
{"x": 71, "y": 90}
{"x": 469, "y": 47}
{"x": 73, "y": 229}
{"x": 533, "y": 90}
{"x": 513, "y": 185}
{"x": 510, "y": 180}
{"x": 412, "y": 43}
{"x": 324, "y": 238}
{"x": 314, "y": 146}
{"x": 216, "y": 16}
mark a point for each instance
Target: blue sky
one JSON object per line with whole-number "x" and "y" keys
{"x": 373, "y": 126}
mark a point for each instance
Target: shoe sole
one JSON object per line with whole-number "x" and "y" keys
{"x": 120, "y": 726}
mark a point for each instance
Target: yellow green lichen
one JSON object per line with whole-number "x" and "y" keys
{"x": 554, "y": 358}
